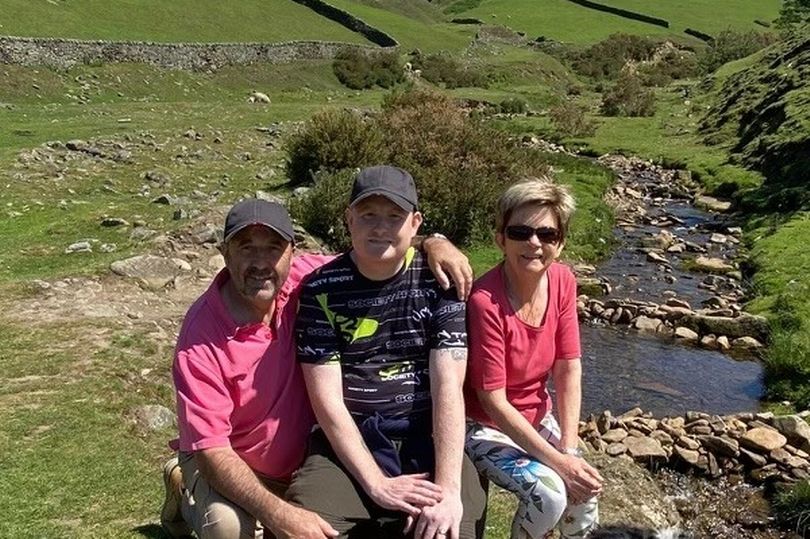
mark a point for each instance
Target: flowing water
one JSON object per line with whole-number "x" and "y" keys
{"x": 624, "y": 368}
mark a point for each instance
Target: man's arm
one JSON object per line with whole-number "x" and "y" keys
{"x": 443, "y": 257}
{"x": 447, "y": 369}
{"x": 407, "y": 493}
{"x": 230, "y": 476}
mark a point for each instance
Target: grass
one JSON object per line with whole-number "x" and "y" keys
{"x": 559, "y": 20}
{"x": 411, "y": 33}
{"x": 73, "y": 465}
{"x": 708, "y": 17}
{"x": 175, "y": 21}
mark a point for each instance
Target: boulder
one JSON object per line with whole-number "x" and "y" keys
{"x": 155, "y": 271}
{"x": 153, "y": 417}
{"x": 745, "y": 325}
{"x": 721, "y": 445}
{"x": 795, "y": 429}
{"x": 686, "y": 334}
{"x": 762, "y": 440}
{"x": 712, "y": 204}
{"x": 643, "y": 323}
{"x": 712, "y": 265}
{"x": 644, "y": 449}
{"x": 632, "y": 497}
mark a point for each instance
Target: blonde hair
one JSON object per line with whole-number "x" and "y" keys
{"x": 540, "y": 191}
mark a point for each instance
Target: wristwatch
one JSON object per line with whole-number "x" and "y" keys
{"x": 573, "y": 451}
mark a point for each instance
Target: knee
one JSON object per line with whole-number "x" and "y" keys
{"x": 550, "y": 496}
{"x": 223, "y": 521}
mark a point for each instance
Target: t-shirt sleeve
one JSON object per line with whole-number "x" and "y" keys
{"x": 316, "y": 339}
{"x": 486, "y": 359}
{"x": 448, "y": 326}
{"x": 567, "y": 337}
{"x": 204, "y": 404}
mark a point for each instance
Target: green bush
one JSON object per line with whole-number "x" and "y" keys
{"x": 571, "y": 120}
{"x": 628, "y": 97}
{"x": 460, "y": 167}
{"x": 358, "y": 70}
{"x": 730, "y": 45}
{"x": 332, "y": 140}
{"x": 513, "y": 105}
{"x": 671, "y": 65}
{"x": 441, "y": 68}
{"x": 321, "y": 209}
{"x": 605, "y": 59}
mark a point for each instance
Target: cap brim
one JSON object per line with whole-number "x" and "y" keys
{"x": 397, "y": 199}
{"x": 234, "y": 232}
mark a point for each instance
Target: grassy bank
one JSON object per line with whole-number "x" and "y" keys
{"x": 176, "y": 21}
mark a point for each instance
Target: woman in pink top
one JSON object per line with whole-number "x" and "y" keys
{"x": 523, "y": 330}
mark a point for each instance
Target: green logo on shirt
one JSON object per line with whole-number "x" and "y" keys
{"x": 351, "y": 328}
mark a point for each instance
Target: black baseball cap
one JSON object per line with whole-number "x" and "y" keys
{"x": 393, "y": 183}
{"x": 254, "y": 211}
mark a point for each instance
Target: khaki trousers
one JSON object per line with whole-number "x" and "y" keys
{"x": 211, "y": 515}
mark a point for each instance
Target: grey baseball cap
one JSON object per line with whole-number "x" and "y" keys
{"x": 393, "y": 183}
{"x": 254, "y": 211}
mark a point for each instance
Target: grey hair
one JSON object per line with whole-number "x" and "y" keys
{"x": 542, "y": 192}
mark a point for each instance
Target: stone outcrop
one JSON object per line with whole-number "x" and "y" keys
{"x": 759, "y": 446}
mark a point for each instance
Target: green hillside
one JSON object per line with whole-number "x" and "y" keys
{"x": 559, "y": 20}
{"x": 410, "y": 27}
{"x": 173, "y": 21}
{"x": 708, "y": 16}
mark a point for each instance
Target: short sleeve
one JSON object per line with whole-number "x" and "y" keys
{"x": 566, "y": 338}
{"x": 204, "y": 405}
{"x": 448, "y": 327}
{"x": 486, "y": 359}
{"x": 315, "y": 336}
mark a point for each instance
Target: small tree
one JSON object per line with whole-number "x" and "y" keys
{"x": 628, "y": 97}
{"x": 571, "y": 120}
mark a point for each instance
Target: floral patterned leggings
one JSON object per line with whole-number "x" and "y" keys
{"x": 540, "y": 491}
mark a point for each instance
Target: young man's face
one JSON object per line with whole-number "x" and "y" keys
{"x": 258, "y": 260}
{"x": 381, "y": 231}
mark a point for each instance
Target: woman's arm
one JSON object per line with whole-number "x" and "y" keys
{"x": 567, "y": 375}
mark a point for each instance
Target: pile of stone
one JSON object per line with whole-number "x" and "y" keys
{"x": 761, "y": 446}
{"x": 720, "y": 326}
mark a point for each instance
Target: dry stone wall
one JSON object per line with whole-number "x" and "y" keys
{"x": 66, "y": 53}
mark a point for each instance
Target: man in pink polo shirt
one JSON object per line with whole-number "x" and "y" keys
{"x": 242, "y": 407}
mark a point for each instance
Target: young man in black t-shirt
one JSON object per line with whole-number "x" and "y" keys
{"x": 383, "y": 350}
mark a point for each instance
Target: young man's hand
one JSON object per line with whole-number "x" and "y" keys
{"x": 293, "y": 522}
{"x": 406, "y": 493}
{"x": 440, "y": 521}
{"x": 444, "y": 258}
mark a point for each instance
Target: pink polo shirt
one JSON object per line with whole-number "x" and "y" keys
{"x": 241, "y": 386}
{"x": 505, "y": 352}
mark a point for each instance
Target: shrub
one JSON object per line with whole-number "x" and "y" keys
{"x": 321, "y": 209}
{"x": 358, "y": 70}
{"x": 442, "y": 68}
{"x": 671, "y": 65}
{"x": 731, "y": 45}
{"x": 571, "y": 120}
{"x": 792, "y": 506}
{"x": 605, "y": 59}
{"x": 513, "y": 105}
{"x": 628, "y": 97}
{"x": 332, "y": 140}
{"x": 460, "y": 167}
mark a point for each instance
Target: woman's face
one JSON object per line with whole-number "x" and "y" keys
{"x": 530, "y": 254}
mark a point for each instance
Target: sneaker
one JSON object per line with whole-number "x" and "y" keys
{"x": 171, "y": 517}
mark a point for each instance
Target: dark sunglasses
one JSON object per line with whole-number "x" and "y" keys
{"x": 545, "y": 234}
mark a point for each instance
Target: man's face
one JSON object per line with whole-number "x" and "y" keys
{"x": 258, "y": 260}
{"x": 381, "y": 231}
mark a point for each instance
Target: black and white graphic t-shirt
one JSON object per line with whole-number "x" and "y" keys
{"x": 380, "y": 332}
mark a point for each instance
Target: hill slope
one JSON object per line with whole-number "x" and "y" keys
{"x": 174, "y": 21}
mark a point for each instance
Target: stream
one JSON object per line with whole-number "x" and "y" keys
{"x": 624, "y": 368}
